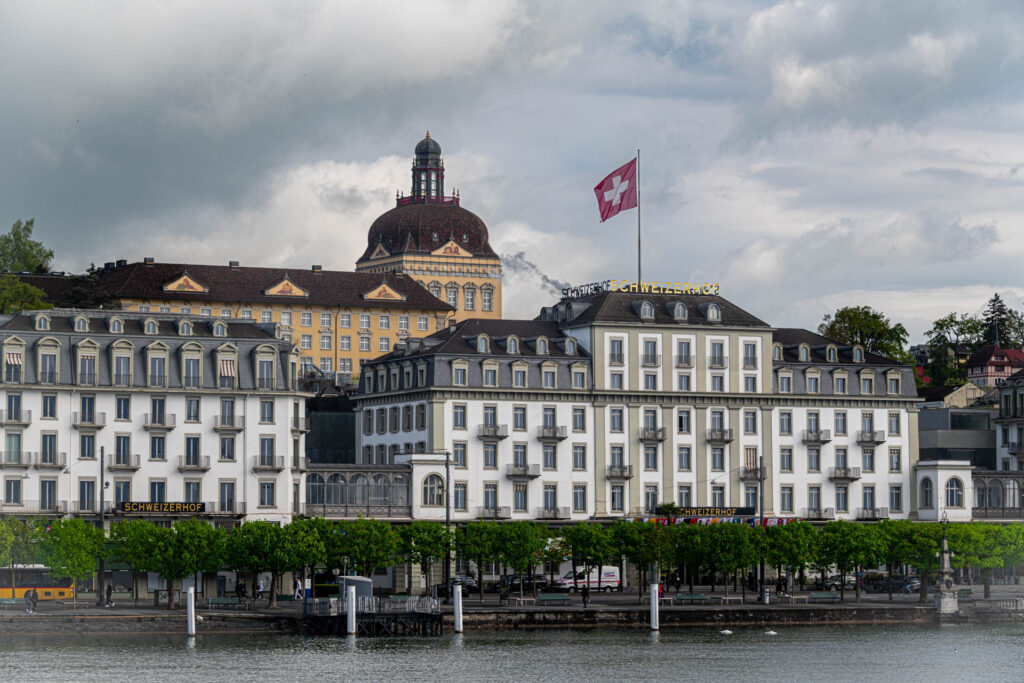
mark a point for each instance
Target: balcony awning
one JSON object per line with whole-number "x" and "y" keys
{"x": 227, "y": 367}
{"x": 13, "y": 358}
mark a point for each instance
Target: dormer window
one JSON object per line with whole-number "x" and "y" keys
{"x": 858, "y": 354}
{"x": 42, "y": 322}
{"x": 481, "y": 345}
{"x": 151, "y": 327}
{"x": 513, "y": 345}
{"x": 81, "y": 324}
{"x": 185, "y": 329}
{"x": 647, "y": 310}
{"x": 570, "y": 347}
{"x": 542, "y": 346}
{"x": 714, "y": 312}
{"x": 220, "y": 329}
{"x": 831, "y": 354}
{"x": 679, "y": 312}
{"x": 777, "y": 352}
{"x": 116, "y": 326}
{"x": 805, "y": 354}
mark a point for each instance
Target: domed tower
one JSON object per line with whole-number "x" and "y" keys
{"x": 431, "y": 238}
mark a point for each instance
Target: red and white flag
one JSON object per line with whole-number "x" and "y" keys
{"x": 617, "y": 192}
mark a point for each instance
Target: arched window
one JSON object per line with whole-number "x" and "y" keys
{"x": 954, "y": 493}
{"x": 831, "y": 354}
{"x": 647, "y": 310}
{"x": 805, "y": 354}
{"x": 42, "y": 322}
{"x": 927, "y": 493}
{"x": 357, "y": 494}
{"x": 980, "y": 494}
{"x": 116, "y": 326}
{"x": 433, "y": 490}
{"x": 542, "y": 345}
{"x": 81, "y": 325}
{"x": 570, "y": 347}
{"x": 714, "y": 312}
{"x": 151, "y": 327}
{"x": 513, "y": 345}
{"x": 220, "y": 329}
{"x": 335, "y": 489}
{"x": 314, "y": 489}
{"x": 1012, "y": 493}
{"x": 777, "y": 352}
{"x": 858, "y": 355}
{"x": 399, "y": 490}
{"x": 379, "y": 490}
{"x": 995, "y": 496}
{"x": 185, "y": 329}
{"x": 481, "y": 345}
{"x": 679, "y": 311}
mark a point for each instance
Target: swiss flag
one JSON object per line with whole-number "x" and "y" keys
{"x": 617, "y": 192}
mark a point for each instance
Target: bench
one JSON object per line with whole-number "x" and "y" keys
{"x": 963, "y": 594}
{"x": 523, "y": 601}
{"x": 818, "y": 596}
{"x": 729, "y": 599}
{"x": 790, "y": 599}
{"x": 7, "y": 602}
{"x": 663, "y": 600}
{"x": 226, "y": 602}
{"x": 692, "y": 597}
{"x": 66, "y": 604}
{"x": 562, "y": 598}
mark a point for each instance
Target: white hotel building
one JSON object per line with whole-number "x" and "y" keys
{"x": 612, "y": 403}
{"x": 149, "y": 408}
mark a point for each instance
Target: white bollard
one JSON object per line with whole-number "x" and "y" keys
{"x": 191, "y": 612}
{"x": 458, "y": 608}
{"x": 350, "y": 603}
{"x": 655, "y": 604}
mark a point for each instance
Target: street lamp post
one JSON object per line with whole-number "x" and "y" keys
{"x": 103, "y": 568}
{"x": 760, "y": 474}
{"x": 447, "y": 523}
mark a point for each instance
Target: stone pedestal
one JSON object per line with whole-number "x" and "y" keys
{"x": 946, "y": 602}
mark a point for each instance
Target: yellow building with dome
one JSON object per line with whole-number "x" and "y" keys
{"x": 429, "y": 237}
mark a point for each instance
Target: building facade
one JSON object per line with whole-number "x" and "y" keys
{"x": 430, "y": 237}
{"x": 147, "y": 414}
{"x": 336, "y": 319}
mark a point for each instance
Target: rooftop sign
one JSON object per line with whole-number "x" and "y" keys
{"x": 640, "y": 286}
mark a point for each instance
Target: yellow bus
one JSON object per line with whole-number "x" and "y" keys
{"x": 27, "y": 577}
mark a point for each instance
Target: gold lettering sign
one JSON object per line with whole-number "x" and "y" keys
{"x": 162, "y": 508}
{"x": 716, "y": 512}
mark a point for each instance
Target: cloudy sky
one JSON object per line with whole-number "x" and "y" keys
{"x": 806, "y": 155}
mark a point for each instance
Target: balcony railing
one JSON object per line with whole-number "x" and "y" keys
{"x": 15, "y": 459}
{"x": 299, "y": 463}
{"x": 50, "y": 460}
{"x": 522, "y": 471}
{"x": 749, "y": 363}
{"x": 718, "y": 362}
{"x": 620, "y": 472}
{"x": 89, "y": 507}
{"x": 124, "y": 463}
{"x": 267, "y": 463}
{"x": 500, "y": 512}
{"x": 47, "y": 377}
{"x": 158, "y": 380}
{"x": 300, "y": 424}
{"x": 719, "y": 435}
{"x": 265, "y": 383}
{"x": 616, "y": 359}
{"x": 872, "y": 513}
{"x": 493, "y": 431}
{"x": 158, "y": 421}
{"x": 553, "y": 513}
{"x": 552, "y": 433}
{"x": 652, "y": 434}
{"x": 87, "y": 378}
{"x": 92, "y": 420}
{"x": 34, "y": 507}
{"x": 871, "y": 437}
{"x": 229, "y": 423}
{"x": 650, "y": 360}
{"x": 15, "y": 417}
{"x": 750, "y": 473}
{"x": 844, "y": 473}
{"x": 819, "y": 513}
{"x": 195, "y": 463}
{"x": 818, "y": 436}
{"x": 226, "y": 508}
{"x": 684, "y": 361}
{"x": 122, "y": 380}
{"x": 1015, "y": 448}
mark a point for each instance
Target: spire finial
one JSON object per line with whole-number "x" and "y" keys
{"x": 428, "y": 133}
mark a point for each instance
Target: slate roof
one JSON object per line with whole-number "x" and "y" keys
{"x": 63, "y": 321}
{"x": 618, "y": 307}
{"x": 247, "y": 284}
{"x": 458, "y": 340}
{"x": 935, "y": 393}
{"x": 794, "y": 336}
{"x": 421, "y": 226}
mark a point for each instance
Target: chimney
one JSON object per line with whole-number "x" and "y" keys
{"x": 121, "y": 263}
{"x": 318, "y": 269}
{"x": 233, "y": 265}
{"x": 148, "y": 260}
{"x": 109, "y": 265}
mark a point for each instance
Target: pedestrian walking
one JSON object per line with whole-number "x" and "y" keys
{"x": 110, "y": 595}
{"x": 259, "y": 590}
{"x": 298, "y": 589}
{"x": 585, "y": 593}
{"x": 28, "y": 601}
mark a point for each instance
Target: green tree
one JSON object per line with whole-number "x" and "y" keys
{"x": 589, "y": 545}
{"x": 186, "y": 548}
{"x": 869, "y": 328}
{"x": 479, "y": 542}
{"x": 646, "y": 545}
{"x": 425, "y": 543}
{"x": 793, "y": 546}
{"x": 733, "y": 547}
{"x": 136, "y": 545}
{"x": 20, "y": 253}
{"x": 368, "y": 543}
{"x": 849, "y": 546}
{"x": 688, "y": 542}
{"x": 945, "y": 337}
{"x": 922, "y": 548}
{"x": 521, "y": 542}
{"x": 977, "y": 545}
{"x": 16, "y": 296}
{"x": 70, "y": 548}
{"x": 896, "y": 544}
{"x": 1002, "y": 323}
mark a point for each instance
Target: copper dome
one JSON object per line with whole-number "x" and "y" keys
{"x": 424, "y": 227}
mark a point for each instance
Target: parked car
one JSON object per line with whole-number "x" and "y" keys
{"x": 528, "y": 581}
{"x": 467, "y": 582}
{"x": 899, "y": 584}
{"x": 833, "y": 583}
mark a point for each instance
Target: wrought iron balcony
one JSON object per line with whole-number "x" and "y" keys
{"x": 650, "y": 360}
{"x": 750, "y": 473}
{"x": 522, "y": 471}
{"x": 871, "y": 437}
{"x": 819, "y": 513}
{"x": 684, "y": 361}
{"x": 652, "y": 434}
{"x": 124, "y": 463}
{"x": 817, "y": 436}
{"x": 844, "y": 473}
{"x": 300, "y": 424}
{"x": 229, "y": 423}
{"x": 91, "y": 420}
{"x": 718, "y": 362}
{"x": 195, "y": 463}
{"x": 15, "y": 459}
{"x": 50, "y": 460}
{"x": 492, "y": 431}
{"x": 872, "y": 513}
{"x": 34, "y": 507}
{"x": 158, "y": 421}
{"x": 749, "y": 363}
{"x": 16, "y": 417}
{"x": 1015, "y": 448}
{"x": 267, "y": 463}
{"x": 719, "y": 435}
{"x": 620, "y": 472}
{"x": 553, "y": 513}
{"x": 502, "y": 512}
{"x": 558, "y": 433}
{"x": 299, "y": 463}
{"x": 225, "y": 509}
{"x": 89, "y": 507}
{"x": 615, "y": 359}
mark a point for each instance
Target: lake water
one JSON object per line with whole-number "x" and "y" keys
{"x": 833, "y": 653}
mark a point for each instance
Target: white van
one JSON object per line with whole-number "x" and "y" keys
{"x": 610, "y": 579}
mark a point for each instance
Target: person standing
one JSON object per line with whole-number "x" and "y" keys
{"x": 259, "y": 590}
{"x": 298, "y": 588}
{"x": 585, "y": 594}
{"x": 110, "y": 595}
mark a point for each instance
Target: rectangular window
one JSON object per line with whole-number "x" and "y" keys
{"x": 750, "y": 422}
{"x": 157, "y": 492}
{"x": 785, "y": 384}
{"x": 486, "y": 300}
{"x": 616, "y": 420}
{"x": 421, "y": 323}
{"x": 814, "y": 497}
{"x": 459, "y": 417}
{"x": 579, "y": 420}
{"x": 87, "y": 446}
{"x": 650, "y": 381}
{"x": 519, "y": 454}
{"x": 550, "y": 497}
{"x": 579, "y": 457}
{"x": 841, "y": 461}
{"x": 549, "y": 418}
{"x": 325, "y": 342}
{"x": 548, "y": 377}
{"x": 490, "y": 496}
{"x": 786, "y": 459}
{"x": 490, "y": 377}
{"x": 579, "y": 497}
{"x": 267, "y": 412}
{"x": 384, "y": 321}
{"x": 157, "y": 447}
{"x": 325, "y": 320}
{"x": 786, "y": 498}
{"x": 519, "y": 418}
{"x": 12, "y": 491}
{"x": 896, "y": 498}
{"x": 618, "y": 499}
{"x": 617, "y": 457}
{"x": 579, "y": 379}
{"x": 616, "y": 380}
{"x": 683, "y": 421}
{"x": 227, "y": 447}
{"x": 49, "y": 406}
{"x": 685, "y": 496}
{"x": 48, "y": 448}
{"x": 157, "y": 371}
{"x": 785, "y": 423}
{"x": 364, "y": 343}
{"x": 306, "y": 319}
{"x": 682, "y": 382}
{"x": 86, "y": 495}
{"x": 749, "y": 356}
{"x": 842, "y": 504}
{"x": 866, "y": 386}
{"x": 267, "y": 494}
{"x": 683, "y": 453}
{"x": 490, "y": 455}
{"x": 868, "y": 459}
{"x": 750, "y": 496}
{"x": 840, "y": 385}
{"x": 813, "y": 460}
{"x": 717, "y": 383}
{"x": 812, "y": 384}
{"x": 384, "y": 345}
{"x": 718, "y": 458}
{"x": 894, "y": 385}
{"x": 306, "y": 341}
{"x": 894, "y": 424}
{"x": 191, "y": 409}
{"x": 718, "y": 495}
{"x": 549, "y": 457}
{"x": 459, "y": 455}
{"x": 650, "y": 499}
{"x": 86, "y": 369}
{"x": 459, "y": 499}
{"x": 122, "y": 491}
{"x": 894, "y": 460}
{"x": 191, "y": 373}
{"x": 519, "y": 378}
{"x": 192, "y": 492}
{"x": 266, "y": 317}
{"x": 226, "y": 498}
{"x": 650, "y": 458}
{"x": 470, "y": 299}
{"x": 750, "y": 384}
{"x": 122, "y": 371}
{"x": 840, "y": 423}
{"x": 519, "y": 497}
{"x": 868, "y": 497}
{"x": 459, "y": 376}
{"x": 122, "y": 408}
{"x": 345, "y": 343}
{"x": 47, "y": 368}
{"x": 717, "y": 355}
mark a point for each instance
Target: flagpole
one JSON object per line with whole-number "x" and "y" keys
{"x": 639, "y": 277}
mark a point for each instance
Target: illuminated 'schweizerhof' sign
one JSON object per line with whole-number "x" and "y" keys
{"x": 640, "y": 286}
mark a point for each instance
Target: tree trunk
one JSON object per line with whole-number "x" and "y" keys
{"x": 842, "y": 586}
{"x": 690, "y": 572}
{"x": 575, "y": 581}
{"x": 986, "y": 578}
{"x": 135, "y": 587}
{"x": 12, "y": 580}
{"x": 856, "y": 584}
{"x": 273, "y": 589}
{"x": 642, "y": 587}
{"x": 890, "y": 567}
{"x": 480, "y": 577}
{"x": 170, "y": 594}
{"x": 924, "y": 587}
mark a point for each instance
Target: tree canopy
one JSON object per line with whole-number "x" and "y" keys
{"x": 1002, "y": 324}
{"x": 16, "y": 296}
{"x": 20, "y": 253}
{"x": 869, "y": 328}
